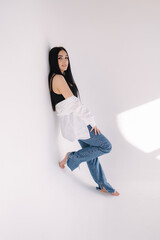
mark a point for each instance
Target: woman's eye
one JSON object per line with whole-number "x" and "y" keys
{"x": 66, "y": 57}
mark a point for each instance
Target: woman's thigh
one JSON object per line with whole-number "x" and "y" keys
{"x": 83, "y": 144}
{"x": 95, "y": 139}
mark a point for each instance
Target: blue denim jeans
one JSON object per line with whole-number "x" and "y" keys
{"x": 92, "y": 148}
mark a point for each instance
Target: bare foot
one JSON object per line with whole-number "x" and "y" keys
{"x": 115, "y": 193}
{"x": 63, "y": 162}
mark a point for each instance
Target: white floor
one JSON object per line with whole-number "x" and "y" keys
{"x": 66, "y": 205}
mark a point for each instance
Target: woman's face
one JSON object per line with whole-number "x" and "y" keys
{"x": 63, "y": 60}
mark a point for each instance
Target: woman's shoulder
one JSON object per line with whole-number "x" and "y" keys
{"x": 58, "y": 78}
{"x": 59, "y": 81}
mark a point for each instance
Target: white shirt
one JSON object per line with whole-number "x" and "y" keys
{"x": 74, "y": 117}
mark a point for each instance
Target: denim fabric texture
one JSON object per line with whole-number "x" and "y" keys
{"x": 93, "y": 147}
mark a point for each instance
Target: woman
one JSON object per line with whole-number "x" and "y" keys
{"x": 76, "y": 121}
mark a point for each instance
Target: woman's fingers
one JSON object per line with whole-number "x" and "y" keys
{"x": 91, "y": 129}
{"x": 96, "y": 129}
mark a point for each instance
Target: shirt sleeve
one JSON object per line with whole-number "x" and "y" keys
{"x": 82, "y": 111}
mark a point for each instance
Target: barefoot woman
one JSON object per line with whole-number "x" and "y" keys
{"x": 76, "y": 121}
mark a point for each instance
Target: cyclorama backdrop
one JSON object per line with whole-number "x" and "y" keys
{"x": 114, "y": 52}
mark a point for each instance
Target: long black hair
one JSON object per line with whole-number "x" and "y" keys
{"x": 54, "y": 69}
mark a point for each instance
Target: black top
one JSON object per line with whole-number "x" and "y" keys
{"x": 57, "y": 97}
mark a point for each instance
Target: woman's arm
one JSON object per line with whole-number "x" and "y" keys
{"x": 62, "y": 86}
{"x": 79, "y": 108}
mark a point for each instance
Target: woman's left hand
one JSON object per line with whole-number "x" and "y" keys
{"x": 95, "y": 129}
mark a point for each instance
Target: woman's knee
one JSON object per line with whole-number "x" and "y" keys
{"x": 106, "y": 147}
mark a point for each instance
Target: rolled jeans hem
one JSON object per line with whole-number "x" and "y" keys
{"x": 70, "y": 163}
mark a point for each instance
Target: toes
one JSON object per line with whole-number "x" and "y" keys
{"x": 61, "y": 165}
{"x": 115, "y": 193}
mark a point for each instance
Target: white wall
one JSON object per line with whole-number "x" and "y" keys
{"x": 114, "y": 52}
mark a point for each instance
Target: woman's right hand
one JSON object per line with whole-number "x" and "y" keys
{"x": 96, "y": 130}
